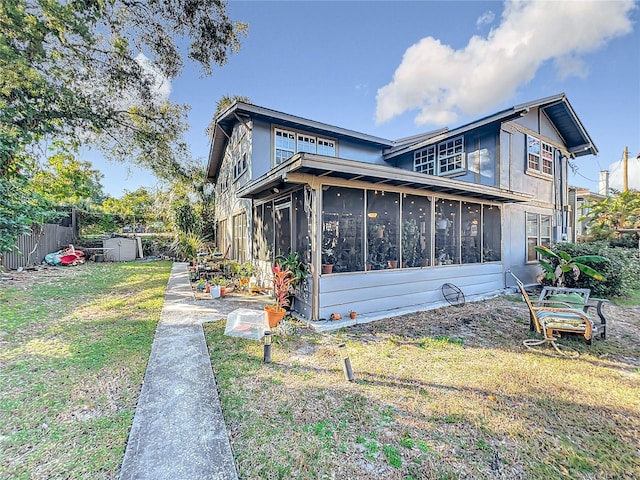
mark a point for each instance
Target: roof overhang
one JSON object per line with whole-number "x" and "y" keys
{"x": 557, "y": 108}
{"x": 244, "y": 112}
{"x": 303, "y": 168}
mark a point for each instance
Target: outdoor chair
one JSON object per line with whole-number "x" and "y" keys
{"x": 553, "y": 321}
{"x": 578, "y": 298}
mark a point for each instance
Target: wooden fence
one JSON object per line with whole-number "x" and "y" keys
{"x": 42, "y": 240}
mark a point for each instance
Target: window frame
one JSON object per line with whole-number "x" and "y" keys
{"x": 326, "y": 143}
{"x": 239, "y": 224}
{"x": 328, "y": 146}
{"x": 451, "y": 156}
{"x": 424, "y": 160}
{"x": 539, "y": 162}
{"x": 441, "y": 159}
{"x": 538, "y": 220}
{"x": 279, "y": 158}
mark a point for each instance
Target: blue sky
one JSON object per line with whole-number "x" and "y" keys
{"x": 394, "y": 69}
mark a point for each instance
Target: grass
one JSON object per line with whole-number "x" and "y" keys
{"x": 629, "y": 301}
{"x": 75, "y": 344}
{"x": 441, "y": 404}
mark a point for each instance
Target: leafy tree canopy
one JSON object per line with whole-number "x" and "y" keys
{"x": 617, "y": 212}
{"x": 95, "y": 70}
{"x": 65, "y": 180}
{"x": 134, "y": 207}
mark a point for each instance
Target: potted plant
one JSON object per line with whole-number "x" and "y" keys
{"x": 410, "y": 239}
{"x": 282, "y": 289}
{"x": 299, "y": 269}
{"x": 328, "y": 259}
{"x": 218, "y": 287}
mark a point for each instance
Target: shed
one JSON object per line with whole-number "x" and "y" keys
{"x": 120, "y": 249}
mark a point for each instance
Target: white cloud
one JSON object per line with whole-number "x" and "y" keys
{"x": 485, "y": 19}
{"x": 444, "y": 83}
{"x": 616, "y": 173}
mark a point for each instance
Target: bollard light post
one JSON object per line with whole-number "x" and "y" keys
{"x": 346, "y": 362}
{"x": 267, "y": 347}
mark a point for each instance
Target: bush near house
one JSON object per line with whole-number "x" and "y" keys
{"x": 622, "y": 269}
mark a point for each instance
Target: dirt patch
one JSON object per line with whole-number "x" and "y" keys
{"x": 497, "y": 321}
{"x": 45, "y": 274}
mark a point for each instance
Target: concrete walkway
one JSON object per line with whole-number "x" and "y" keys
{"x": 178, "y": 431}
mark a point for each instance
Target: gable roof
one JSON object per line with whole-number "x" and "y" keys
{"x": 241, "y": 111}
{"x": 557, "y": 108}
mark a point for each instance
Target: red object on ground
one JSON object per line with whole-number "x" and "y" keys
{"x": 69, "y": 259}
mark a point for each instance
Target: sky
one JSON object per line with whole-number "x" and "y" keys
{"x": 395, "y": 69}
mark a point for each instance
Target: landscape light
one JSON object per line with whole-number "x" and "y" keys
{"x": 267, "y": 347}
{"x": 346, "y": 362}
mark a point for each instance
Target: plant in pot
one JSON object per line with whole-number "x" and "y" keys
{"x": 218, "y": 287}
{"x": 282, "y": 289}
{"x": 328, "y": 259}
{"x": 299, "y": 270}
{"x": 410, "y": 237}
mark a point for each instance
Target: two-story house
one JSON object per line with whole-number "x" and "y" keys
{"x": 384, "y": 224}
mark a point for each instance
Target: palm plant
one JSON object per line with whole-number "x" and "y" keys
{"x": 562, "y": 263}
{"x": 186, "y": 246}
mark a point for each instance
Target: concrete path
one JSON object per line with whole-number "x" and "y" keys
{"x": 178, "y": 431}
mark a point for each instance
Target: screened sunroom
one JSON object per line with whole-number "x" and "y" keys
{"x": 376, "y": 237}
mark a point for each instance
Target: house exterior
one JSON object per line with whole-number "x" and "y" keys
{"x": 384, "y": 224}
{"x": 580, "y": 200}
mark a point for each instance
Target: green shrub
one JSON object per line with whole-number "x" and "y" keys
{"x": 622, "y": 269}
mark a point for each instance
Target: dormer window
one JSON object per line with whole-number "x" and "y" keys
{"x": 450, "y": 158}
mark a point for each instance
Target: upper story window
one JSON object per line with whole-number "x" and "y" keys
{"x": 424, "y": 161}
{"x": 239, "y": 164}
{"x": 326, "y": 147}
{"x": 306, "y": 143}
{"x": 547, "y": 158}
{"x": 288, "y": 143}
{"x": 450, "y": 158}
{"x": 539, "y": 156}
{"x": 285, "y": 145}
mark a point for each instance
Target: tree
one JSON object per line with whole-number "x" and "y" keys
{"x": 95, "y": 71}
{"x": 221, "y": 105}
{"x": 617, "y": 212}
{"x": 65, "y": 180}
{"x": 133, "y": 208}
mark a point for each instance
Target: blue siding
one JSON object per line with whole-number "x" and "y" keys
{"x": 380, "y": 291}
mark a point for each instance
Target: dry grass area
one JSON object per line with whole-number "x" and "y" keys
{"x": 441, "y": 394}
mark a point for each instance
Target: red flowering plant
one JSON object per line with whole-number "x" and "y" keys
{"x": 283, "y": 281}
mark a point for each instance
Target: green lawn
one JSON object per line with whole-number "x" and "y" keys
{"x": 74, "y": 347}
{"x": 446, "y": 394}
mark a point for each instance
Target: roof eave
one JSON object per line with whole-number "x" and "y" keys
{"x": 374, "y": 174}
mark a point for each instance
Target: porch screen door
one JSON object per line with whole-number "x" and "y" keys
{"x": 283, "y": 229}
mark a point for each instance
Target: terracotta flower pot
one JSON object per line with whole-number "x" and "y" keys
{"x": 327, "y": 268}
{"x": 274, "y": 315}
